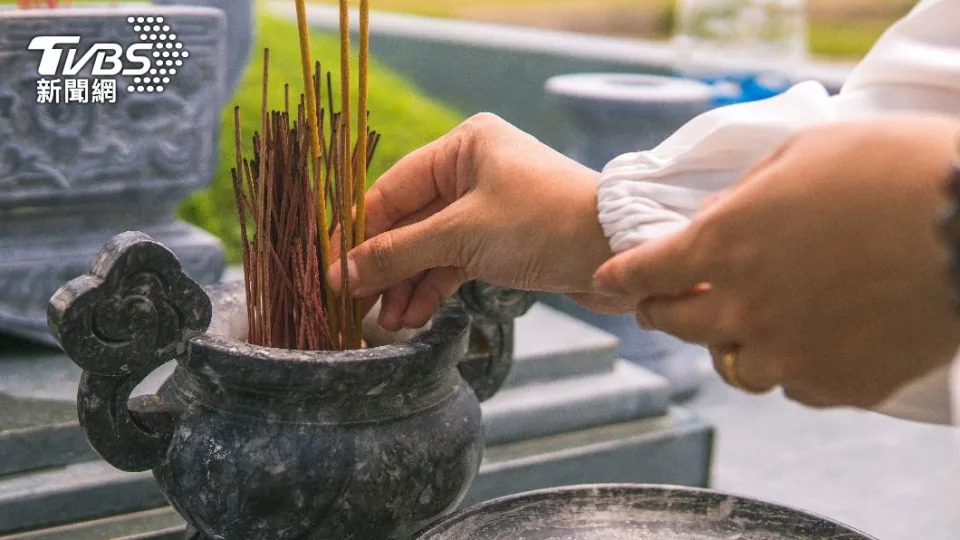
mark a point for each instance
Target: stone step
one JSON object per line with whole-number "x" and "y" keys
{"x": 38, "y": 386}
{"x": 38, "y": 409}
{"x": 82, "y": 491}
{"x": 120, "y": 526}
{"x": 674, "y": 448}
{"x": 553, "y": 345}
{"x": 41, "y": 447}
{"x": 536, "y": 410}
{"x": 661, "y": 353}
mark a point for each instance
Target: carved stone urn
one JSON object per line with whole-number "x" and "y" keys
{"x": 254, "y": 442}
{"x": 80, "y": 163}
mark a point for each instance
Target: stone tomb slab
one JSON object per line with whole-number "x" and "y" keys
{"x": 552, "y": 345}
{"x": 625, "y": 393}
{"x": 38, "y": 411}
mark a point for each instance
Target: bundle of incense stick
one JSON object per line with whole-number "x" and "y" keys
{"x": 299, "y": 167}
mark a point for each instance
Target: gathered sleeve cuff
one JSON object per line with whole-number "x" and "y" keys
{"x": 646, "y": 195}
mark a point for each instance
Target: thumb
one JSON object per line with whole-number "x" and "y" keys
{"x": 666, "y": 266}
{"x": 396, "y": 255}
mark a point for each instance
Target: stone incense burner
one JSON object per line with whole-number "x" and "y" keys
{"x": 253, "y": 442}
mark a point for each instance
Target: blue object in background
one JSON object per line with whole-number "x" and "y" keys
{"x": 731, "y": 89}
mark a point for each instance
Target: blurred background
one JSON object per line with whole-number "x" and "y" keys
{"x": 409, "y": 115}
{"x": 839, "y": 29}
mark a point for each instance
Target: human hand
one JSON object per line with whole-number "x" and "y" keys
{"x": 822, "y": 268}
{"x": 486, "y": 201}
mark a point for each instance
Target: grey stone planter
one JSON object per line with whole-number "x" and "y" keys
{"x": 253, "y": 442}
{"x": 606, "y": 115}
{"x": 74, "y": 174}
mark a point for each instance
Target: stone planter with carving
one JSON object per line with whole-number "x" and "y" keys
{"x": 74, "y": 174}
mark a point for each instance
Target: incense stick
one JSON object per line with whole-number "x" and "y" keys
{"x": 282, "y": 195}
{"x": 362, "y": 136}
{"x": 316, "y": 150}
{"x": 346, "y": 225}
{"x": 284, "y": 282}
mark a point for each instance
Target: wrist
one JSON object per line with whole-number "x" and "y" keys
{"x": 592, "y": 247}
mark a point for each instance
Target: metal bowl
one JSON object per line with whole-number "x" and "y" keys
{"x": 614, "y": 512}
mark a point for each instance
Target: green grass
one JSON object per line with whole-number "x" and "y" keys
{"x": 406, "y": 118}
{"x": 840, "y": 40}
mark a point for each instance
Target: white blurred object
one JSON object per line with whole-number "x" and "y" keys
{"x": 913, "y": 69}
{"x": 718, "y": 38}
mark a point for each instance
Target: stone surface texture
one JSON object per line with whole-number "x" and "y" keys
{"x": 97, "y": 169}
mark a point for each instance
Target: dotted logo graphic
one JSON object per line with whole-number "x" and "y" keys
{"x": 168, "y": 54}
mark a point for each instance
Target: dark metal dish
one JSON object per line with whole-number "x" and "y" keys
{"x": 614, "y": 512}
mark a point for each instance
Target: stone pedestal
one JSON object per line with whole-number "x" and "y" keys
{"x": 34, "y": 265}
{"x": 73, "y": 174}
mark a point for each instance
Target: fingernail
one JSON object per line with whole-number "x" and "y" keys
{"x": 602, "y": 283}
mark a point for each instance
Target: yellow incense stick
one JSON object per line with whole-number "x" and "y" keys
{"x": 361, "y": 226}
{"x": 316, "y": 152}
{"x": 347, "y": 147}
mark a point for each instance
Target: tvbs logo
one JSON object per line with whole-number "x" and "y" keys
{"x": 108, "y": 59}
{"x": 150, "y": 64}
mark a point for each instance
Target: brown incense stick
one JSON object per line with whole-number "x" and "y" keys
{"x": 284, "y": 283}
{"x": 282, "y": 195}
{"x": 316, "y": 149}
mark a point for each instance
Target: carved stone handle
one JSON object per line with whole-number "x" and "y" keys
{"x": 134, "y": 312}
{"x": 490, "y": 357}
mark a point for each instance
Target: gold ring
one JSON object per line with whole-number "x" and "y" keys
{"x": 728, "y": 371}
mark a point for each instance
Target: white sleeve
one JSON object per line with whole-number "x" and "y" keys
{"x": 914, "y": 67}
